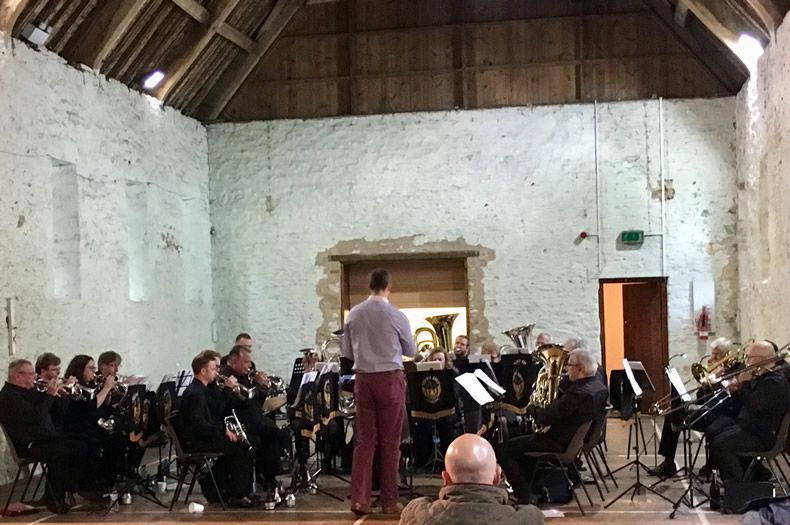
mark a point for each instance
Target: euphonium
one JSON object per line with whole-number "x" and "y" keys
{"x": 333, "y": 356}
{"x": 554, "y": 358}
{"x": 234, "y": 426}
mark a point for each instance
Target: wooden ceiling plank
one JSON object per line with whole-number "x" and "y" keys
{"x": 134, "y": 62}
{"x": 62, "y": 22}
{"x": 663, "y": 11}
{"x": 236, "y": 37}
{"x": 768, "y": 13}
{"x": 214, "y": 75}
{"x": 29, "y": 15}
{"x": 175, "y": 76}
{"x": 706, "y": 15}
{"x": 75, "y": 24}
{"x": 121, "y": 22}
{"x": 278, "y": 19}
{"x": 194, "y": 9}
{"x": 681, "y": 13}
{"x": 9, "y": 13}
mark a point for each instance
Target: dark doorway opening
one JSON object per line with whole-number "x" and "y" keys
{"x": 633, "y": 315}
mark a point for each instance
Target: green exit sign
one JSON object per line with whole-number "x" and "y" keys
{"x": 632, "y": 236}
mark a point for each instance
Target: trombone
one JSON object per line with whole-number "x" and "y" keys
{"x": 664, "y": 405}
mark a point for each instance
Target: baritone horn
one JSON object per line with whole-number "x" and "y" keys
{"x": 547, "y": 384}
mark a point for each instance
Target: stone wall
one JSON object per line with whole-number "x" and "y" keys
{"x": 516, "y": 184}
{"x": 104, "y": 203}
{"x": 763, "y": 124}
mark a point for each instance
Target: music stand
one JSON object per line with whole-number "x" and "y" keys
{"x": 130, "y": 421}
{"x": 430, "y": 397}
{"x": 639, "y": 381}
{"x": 518, "y": 373}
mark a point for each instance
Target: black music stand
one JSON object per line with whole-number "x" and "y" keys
{"x": 638, "y": 381}
{"x": 517, "y": 375}
{"x": 430, "y": 397}
{"x": 129, "y": 420}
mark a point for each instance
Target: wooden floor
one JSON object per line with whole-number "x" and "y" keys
{"x": 322, "y": 510}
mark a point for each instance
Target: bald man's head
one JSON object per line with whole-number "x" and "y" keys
{"x": 759, "y": 351}
{"x": 470, "y": 459}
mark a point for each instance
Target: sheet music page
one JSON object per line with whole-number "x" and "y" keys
{"x": 307, "y": 377}
{"x": 475, "y": 389}
{"x": 327, "y": 367}
{"x": 674, "y": 378}
{"x": 638, "y": 366}
{"x": 479, "y": 358}
{"x": 479, "y": 374}
{"x": 631, "y": 379}
{"x": 426, "y": 366}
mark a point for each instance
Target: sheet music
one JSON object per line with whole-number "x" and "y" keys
{"x": 426, "y": 366}
{"x": 674, "y": 379}
{"x": 307, "y": 377}
{"x": 639, "y": 367}
{"x": 631, "y": 379}
{"x": 479, "y": 358}
{"x": 325, "y": 368}
{"x": 472, "y": 385}
{"x": 479, "y": 374}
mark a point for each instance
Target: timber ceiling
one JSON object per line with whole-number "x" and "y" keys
{"x": 259, "y": 59}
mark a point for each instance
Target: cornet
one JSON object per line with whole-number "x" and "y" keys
{"x": 241, "y": 391}
{"x": 234, "y": 426}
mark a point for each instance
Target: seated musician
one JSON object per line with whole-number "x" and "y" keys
{"x": 47, "y": 369}
{"x": 583, "y": 400}
{"x": 490, "y": 348}
{"x": 764, "y": 394}
{"x": 204, "y": 431}
{"x": 543, "y": 338}
{"x": 471, "y": 493}
{"x": 274, "y": 441}
{"x": 670, "y": 431}
{"x": 26, "y": 415}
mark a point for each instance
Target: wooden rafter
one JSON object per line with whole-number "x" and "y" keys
{"x": 123, "y": 19}
{"x": 278, "y": 19}
{"x": 9, "y": 13}
{"x": 768, "y": 13}
{"x": 221, "y": 28}
{"x": 706, "y": 14}
{"x": 681, "y": 13}
{"x": 664, "y": 13}
{"x": 174, "y": 77}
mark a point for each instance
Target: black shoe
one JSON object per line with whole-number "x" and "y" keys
{"x": 704, "y": 473}
{"x": 240, "y": 503}
{"x": 666, "y": 469}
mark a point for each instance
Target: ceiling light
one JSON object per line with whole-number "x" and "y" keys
{"x": 749, "y": 50}
{"x": 153, "y": 80}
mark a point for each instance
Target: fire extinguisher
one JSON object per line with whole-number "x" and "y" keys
{"x": 703, "y": 323}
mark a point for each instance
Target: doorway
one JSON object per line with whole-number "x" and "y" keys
{"x": 633, "y": 315}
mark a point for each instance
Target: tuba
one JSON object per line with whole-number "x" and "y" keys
{"x": 333, "y": 355}
{"x": 547, "y": 384}
{"x": 521, "y": 337}
{"x": 441, "y": 334}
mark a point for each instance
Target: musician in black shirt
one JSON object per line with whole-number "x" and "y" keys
{"x": 26, "y": 415}
{"x": 765, "y": 398}
{"x": 204, "y": 431}
{"x": 583, "y": 400}
{"x": 274, "y": 441}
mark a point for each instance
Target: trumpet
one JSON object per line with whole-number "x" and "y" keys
{"x": 81, "y": 392}
{"x": 664, "y": 405}
{"x": 241, "y": 391}
{"x": 42, "y": 385}
{"x": 234, "y": 426}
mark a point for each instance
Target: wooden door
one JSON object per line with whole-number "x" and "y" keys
{"x": 645, "y": 331}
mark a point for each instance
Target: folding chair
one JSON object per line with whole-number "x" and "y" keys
{"x": 564, "y": 461}
{"x": 193, "y": 460}
{"x": 771, "y": 456}
{"x": 24, "y": 464}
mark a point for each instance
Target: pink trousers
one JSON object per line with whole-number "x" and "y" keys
{"x": 379, "y": 401}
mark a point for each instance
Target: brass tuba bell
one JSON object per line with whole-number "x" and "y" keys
{"x": 521, "y": 337}
{"x": 441, "y": 334}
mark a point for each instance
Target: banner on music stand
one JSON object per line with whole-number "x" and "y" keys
{"x": 431, "y": 394}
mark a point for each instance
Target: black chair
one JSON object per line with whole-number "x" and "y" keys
{"x": 564, "y": 461}
{"x": 593, "y": 440}
{"x": 771, "y": 456}
{"x": 190, "y": 460}
{"x": 24, "y": 464}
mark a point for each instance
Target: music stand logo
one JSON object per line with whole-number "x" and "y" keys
{"x": 431, "y": 389}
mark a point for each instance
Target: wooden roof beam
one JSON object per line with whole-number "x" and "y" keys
{"x": 221, "y": 28}
{"x": 704, "y": 11}
{"x": 665, "y": 14}
{"x": 278, "y": 19}
{"x": 183, "y": 66}
{"x": 767, "y": 12}
{"x": 681, "y": 13}
{"x": 122, "y": 20}
{"x": 9, "y": 14}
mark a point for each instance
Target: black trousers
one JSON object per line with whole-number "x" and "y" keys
{"x": 273, "y": 443}
{"x": 233, "y": 471}
{"x": 518, "y": 469}
{"x": 726, "y": 445}
{"x": 65, "y": 459}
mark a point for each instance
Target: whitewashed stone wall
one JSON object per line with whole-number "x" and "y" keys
{"x": 519, "y": 183}
{"x": 763, "y": 125}
{"x": 65, "y": 260}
